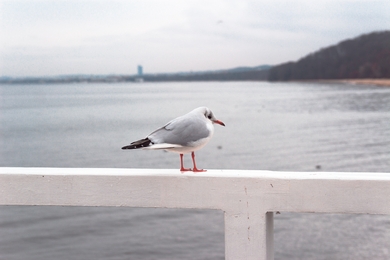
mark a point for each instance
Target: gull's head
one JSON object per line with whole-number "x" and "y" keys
{"x": 208, "y": 114}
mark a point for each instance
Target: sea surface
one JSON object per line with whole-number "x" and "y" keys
{"x": 269, "y": 126}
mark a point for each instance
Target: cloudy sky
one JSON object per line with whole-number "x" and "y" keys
{"x": 112, "y": 37}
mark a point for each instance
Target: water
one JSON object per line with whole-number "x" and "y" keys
{"x": 287, "y": 127}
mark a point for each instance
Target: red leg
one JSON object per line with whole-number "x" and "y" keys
{"x": 182, "y": 169}
{"x": 193, "y": 160}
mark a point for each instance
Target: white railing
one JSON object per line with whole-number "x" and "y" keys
{"x": 248, "y": 198}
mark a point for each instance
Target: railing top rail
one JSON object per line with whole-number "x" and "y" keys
{"x": 377, "y": 176}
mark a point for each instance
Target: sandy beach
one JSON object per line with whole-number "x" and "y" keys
{"x": 376, "y": 82}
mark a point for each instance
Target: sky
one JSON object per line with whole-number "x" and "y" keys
{"x": 47, "y": 38}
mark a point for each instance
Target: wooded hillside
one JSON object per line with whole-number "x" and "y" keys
{"x": 367, "y": 56}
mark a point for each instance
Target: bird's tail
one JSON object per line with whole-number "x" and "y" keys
{"x": 138, "y": 144}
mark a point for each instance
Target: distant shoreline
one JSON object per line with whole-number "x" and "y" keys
{"x": 169, "y": 78}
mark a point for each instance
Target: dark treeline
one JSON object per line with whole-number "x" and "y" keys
{"x": 229, "y": 75}
{"x": 367, "y": 56}
{"x": 220, "y": 76}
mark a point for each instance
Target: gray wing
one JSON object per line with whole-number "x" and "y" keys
{"x": 181, "y": 131}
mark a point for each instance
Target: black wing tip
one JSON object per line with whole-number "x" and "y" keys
{"x": 138, "y": 144}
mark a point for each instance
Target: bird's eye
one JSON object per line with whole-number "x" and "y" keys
{"x": 209, "y": 116}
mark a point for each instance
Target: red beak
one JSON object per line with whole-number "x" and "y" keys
{"x": 218, "y": 122}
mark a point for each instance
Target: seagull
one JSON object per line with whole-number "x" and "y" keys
{"x": 182, "y": 135}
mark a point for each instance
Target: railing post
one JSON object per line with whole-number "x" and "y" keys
{"x": 269, "y": 218}
{"x": 249, "y": 237}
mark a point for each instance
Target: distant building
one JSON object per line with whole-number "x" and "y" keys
{"x": 140, "y": 72}
{"x": 139, "y": 78}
